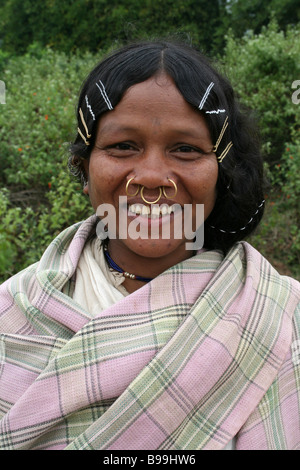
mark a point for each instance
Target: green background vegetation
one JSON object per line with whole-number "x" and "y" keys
{"x": 48, "y": 47}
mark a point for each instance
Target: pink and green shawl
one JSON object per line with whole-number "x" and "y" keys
{"x": 222, "y": 359}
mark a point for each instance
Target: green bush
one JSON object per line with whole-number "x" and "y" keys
{"x": 278, "y": 237}
{"x": 36, "y": 124}
{"x": 262, "y": 69}
{"x": 91, "y": 25}
{"x": 38, "y": 117}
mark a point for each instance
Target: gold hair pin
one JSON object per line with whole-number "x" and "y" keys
{"x": 215, "y": 148}
{"x": 88, "y": 136}
{"x": 221, "y": 157}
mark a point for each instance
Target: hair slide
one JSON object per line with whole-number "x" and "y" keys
{"x": 104, "y": 95}
{"x": 206, "y": 95}
{"x": 221, "y": 157}
{"x": 85, "y": 127}
{"x": 89, "y": 107}
{"x": 217, "y": 111}
{"x": 215, "y": 148}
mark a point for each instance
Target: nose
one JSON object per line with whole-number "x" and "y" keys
{"x": 152, "y": 170}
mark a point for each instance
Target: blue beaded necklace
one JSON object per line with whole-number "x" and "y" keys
{"x": 117, "y": 268}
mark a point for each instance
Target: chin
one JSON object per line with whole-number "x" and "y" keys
{"x": 156, "y": 248}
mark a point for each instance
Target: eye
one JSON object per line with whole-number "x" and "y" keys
{"x": 120, "y": 149}
{"x": 188, "y": 151}
{"x": 121, "y": 146}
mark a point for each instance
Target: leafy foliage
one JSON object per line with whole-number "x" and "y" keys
{"x": 36, "y": 124}
{"x": 246, "y": 15}
{"x": 262, "y": 69}
{"x": 96, "y": 24}
{"x": 279, "y": 236}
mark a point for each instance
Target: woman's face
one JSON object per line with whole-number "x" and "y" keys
{"x": 153, "y": 135}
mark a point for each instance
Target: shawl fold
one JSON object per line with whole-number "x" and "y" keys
{"x": 208, "y": 350}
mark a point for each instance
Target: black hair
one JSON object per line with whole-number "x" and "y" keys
{"x": 239, "y": 204}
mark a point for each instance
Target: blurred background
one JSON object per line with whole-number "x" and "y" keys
{"x": 48, "y": 47}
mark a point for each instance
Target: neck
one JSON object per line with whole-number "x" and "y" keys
{"x": 149, "y": 266}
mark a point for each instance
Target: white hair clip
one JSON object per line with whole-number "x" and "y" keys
{"x": 89, "y": 107}
{"x": 216, "y": 112}
{"x": 104, "y": 95}
{"x": 206, "y": 95}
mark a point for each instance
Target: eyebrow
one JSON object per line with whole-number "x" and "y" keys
{"x": 116, "y": 128}
{"x": 127, "y": 128}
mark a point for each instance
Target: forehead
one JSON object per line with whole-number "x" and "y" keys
{"x": 154, "y": 102}
{"x": 158, "y": 91}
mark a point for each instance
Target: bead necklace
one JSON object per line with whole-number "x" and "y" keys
{"x": 117, "y": 268}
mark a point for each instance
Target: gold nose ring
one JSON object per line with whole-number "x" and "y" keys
{"x": 175, "y": 188}
{"x": 150, "y": 202}
{"x": 127, "y": 186}
{"x": 162, "y": 190}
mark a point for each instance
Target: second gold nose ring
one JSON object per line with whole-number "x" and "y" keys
{"x": 162, "y": 190}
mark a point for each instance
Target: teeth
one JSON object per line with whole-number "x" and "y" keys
{"x": 154, "y": 212}
{"x": 164, "y": 210}
{"x": 145, "y": 210}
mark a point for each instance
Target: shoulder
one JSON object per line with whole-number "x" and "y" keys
{"x": 284, "y": 291}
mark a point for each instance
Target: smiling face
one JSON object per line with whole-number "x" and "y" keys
{"x": 154, "y": 136}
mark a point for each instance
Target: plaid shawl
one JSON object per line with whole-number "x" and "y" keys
{"x": 222, "y": 359}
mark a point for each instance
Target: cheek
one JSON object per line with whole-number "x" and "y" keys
{"x": 97, "y": 183}
{"x": 205, "y": 189}
{"x": 205, "y": 185}
{"x": 105, "y": 181}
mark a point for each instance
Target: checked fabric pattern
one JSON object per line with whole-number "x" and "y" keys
{"x": 199, "y": 355}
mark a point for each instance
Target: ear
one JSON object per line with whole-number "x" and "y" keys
{"x": 85, "y": 181}
{"x": 86, "y": 188}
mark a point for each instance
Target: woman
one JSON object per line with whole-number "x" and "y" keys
{"x": 123, "y": 337}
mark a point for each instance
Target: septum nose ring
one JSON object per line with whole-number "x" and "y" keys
{"x": 162, "y": 190}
